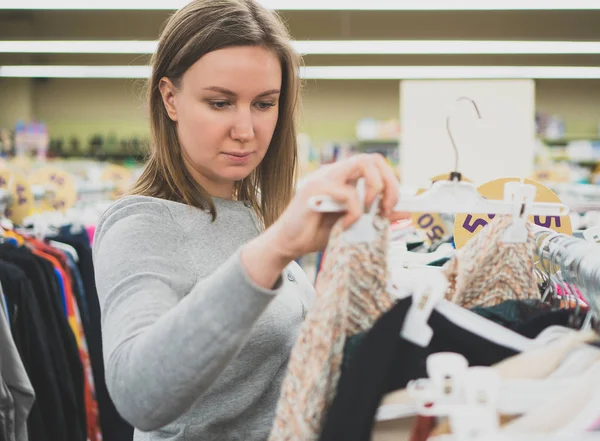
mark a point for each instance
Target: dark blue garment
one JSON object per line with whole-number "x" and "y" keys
{"x": 61, "y": 287}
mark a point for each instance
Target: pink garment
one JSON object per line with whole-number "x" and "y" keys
{"x": 91, "y": 230}
{"x": 569, "y": 290}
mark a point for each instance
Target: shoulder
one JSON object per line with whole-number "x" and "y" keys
{"x": 132, "y": 205}
{"x": 136, "y": 216}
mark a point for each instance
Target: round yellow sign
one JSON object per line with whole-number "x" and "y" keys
{"x": 18, "y": 188}
{"x": 120, "y": 176}
{"x": 60, "y": 187}
{"x": 466, "y": 226}
{"x": 432, "y": 223}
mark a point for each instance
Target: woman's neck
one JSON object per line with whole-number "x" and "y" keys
{"x": 221, "y": 190}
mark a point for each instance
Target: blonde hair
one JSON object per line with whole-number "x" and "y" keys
{"x": 201, "y": 27}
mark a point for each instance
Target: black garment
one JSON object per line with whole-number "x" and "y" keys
{"x": 47, "y": 419}
{"x": 385, "y": 362}
{"x": 530, "y": 317}
{"x": 532, "y": 328}
{"x": 525, "y": 317}
{"x": 512, "y": 313}
{"x": 439, "y": 262}
{"x": 114, "y": 427}
{"x": 63, "y": 349}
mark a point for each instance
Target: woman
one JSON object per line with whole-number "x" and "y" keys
{"x": 201, "y": 299}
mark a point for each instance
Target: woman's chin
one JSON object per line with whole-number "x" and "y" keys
{"x": 237, "y": 176}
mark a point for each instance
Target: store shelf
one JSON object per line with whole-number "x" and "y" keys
{"x": 584, "y": 162}
{"x": 112, "y": 157}
{"x": 567, "y": 139}
{"x": 378, "y": 141}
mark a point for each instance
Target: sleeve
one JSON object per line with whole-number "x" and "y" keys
{"x": 166, "y": 334}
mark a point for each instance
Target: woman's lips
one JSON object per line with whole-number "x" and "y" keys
{"x": 238, "y": 157}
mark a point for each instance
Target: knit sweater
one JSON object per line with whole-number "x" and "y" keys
{"x": 352, "y": 288}
{"x": 194, "y": 350}
{"x": 489, "y": 271}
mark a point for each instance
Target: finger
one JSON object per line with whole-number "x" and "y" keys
{"x": 365, "y": 166}
{"x": 399, "y": 215}
{"x": 390, "y": 189}
{"x": 348, "y": 195}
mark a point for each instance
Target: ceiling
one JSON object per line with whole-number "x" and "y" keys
{"x": 553, "y": 25}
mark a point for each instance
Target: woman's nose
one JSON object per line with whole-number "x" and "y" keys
{"x": 243, "y": 129}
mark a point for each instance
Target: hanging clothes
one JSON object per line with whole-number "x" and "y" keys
{"x": 113, "y": 426}
{"x": 16, "y": 392}
{"x": 488, "y": 271}
{"x": 386, "y": 362}
{"x": 51, "y": 289}
{"x": 31, "y": 335}
{"x": 58, "y": 260}
{"x": 351, "y": 296}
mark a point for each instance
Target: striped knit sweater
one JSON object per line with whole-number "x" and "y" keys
{"x": 351, "y": 296}
{"x": 488, "y": 271}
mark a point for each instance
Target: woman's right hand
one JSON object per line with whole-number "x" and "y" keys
{"x": 301, "y": 230}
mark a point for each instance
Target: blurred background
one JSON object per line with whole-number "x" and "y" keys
{"x": 76, "y": 75}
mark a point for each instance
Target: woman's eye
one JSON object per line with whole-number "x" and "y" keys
{"x": 219, "y": 104}
{"x": 265, "y": 105}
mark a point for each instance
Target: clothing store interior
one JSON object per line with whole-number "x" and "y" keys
{"x": 476, "y": 318}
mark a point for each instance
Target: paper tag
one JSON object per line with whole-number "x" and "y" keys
{"x": 467, "y": 226}
{"x": 60, "y": 185}
{"x": 21, "y": 197}
{"x": 432, "y": 224}
{"x": 120, "y": 176}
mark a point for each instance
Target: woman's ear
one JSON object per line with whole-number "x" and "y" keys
{"x": 167, "y": 91}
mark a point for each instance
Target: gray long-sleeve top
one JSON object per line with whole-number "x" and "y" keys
{"x": 193, "y": 349}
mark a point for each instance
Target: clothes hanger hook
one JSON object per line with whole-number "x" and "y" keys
{"x": 449, "y": 130}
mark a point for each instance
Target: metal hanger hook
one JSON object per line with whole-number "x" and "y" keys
{"x": 449, "y": 130}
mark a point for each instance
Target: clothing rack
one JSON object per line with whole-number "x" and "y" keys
{"x": 578, "y": 260}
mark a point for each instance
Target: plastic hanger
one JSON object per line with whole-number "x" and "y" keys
{"x": 457, "y": 196}
{"x": 66, "y": 248}
{"x": 473, "y": 397}
{"x": 401, "y": 257}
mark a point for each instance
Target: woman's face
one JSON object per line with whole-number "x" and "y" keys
{"x": 226, "y": 111}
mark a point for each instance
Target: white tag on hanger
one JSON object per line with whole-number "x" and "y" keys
{"x": 362, "y": 230}
{"x": 467, "y": 396}
{"x": 522, "y": 196}
{"x": 478, "y": 417}
{"x": 592, "y": 234}
{"x": 443, "y": 388}
{"x": 427, "y": 294}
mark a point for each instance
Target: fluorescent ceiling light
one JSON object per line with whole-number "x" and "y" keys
{"x": 371, "y": 5}
{"x": 75, "y": 71}
{"x": 78, "y": 47}
{"x": 330, "y": 72}
{"x": 371, "y": 47}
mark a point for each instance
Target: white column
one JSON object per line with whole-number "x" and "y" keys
{"x": 501, "y": 144}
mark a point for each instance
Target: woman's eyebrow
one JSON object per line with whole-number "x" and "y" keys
{"x": 228, "y": 92}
